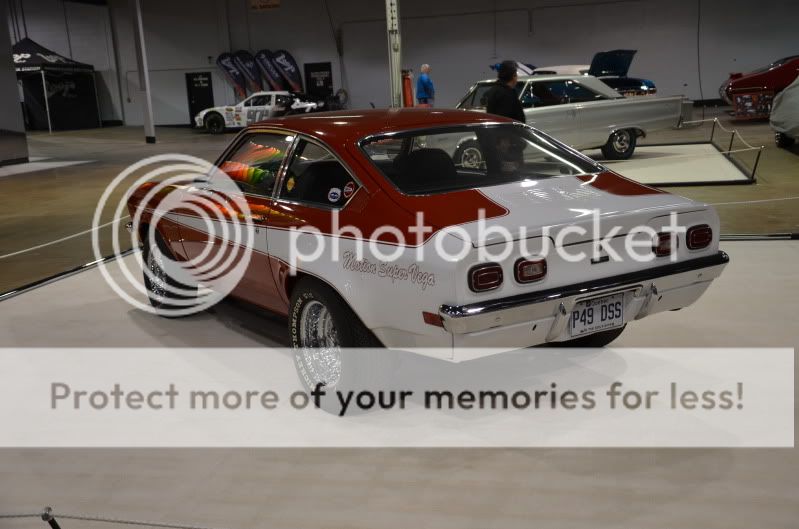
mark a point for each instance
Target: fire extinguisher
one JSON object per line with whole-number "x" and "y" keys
{"x": 407, "y": 88}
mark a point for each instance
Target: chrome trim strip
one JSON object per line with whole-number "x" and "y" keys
{"x": 62, "y": 275}
{"x": 464, "y": 312}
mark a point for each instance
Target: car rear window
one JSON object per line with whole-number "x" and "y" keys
{"x": 452, "y": 159}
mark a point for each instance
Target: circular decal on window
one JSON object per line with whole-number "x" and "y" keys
{"x": 334, "y": 194}
{"x": 349, "y": 189}
{"x": 289, "y": 184}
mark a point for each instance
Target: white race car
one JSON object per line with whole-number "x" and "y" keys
{"x": 257, "y": 107}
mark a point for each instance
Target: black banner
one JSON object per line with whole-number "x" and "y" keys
{"x": 247, "y": 66}
{"x": 269, "y": 71}
{"x": 236, "y": 79}
{"x": 289, "y": 69}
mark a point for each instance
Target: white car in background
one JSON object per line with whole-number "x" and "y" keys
{"x": 258, "y": 107}
{"x": 583, "y": 112}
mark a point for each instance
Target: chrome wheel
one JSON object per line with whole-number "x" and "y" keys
{"x": 320, "y": 350}
{"x": 156, "y": 278}
{"x": 621, "y": 141}
{"x": 471, "y": 158}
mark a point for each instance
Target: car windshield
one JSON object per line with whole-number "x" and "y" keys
{"x": 452, "y": 159}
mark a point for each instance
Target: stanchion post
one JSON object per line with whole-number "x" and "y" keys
{"x": 732, "y": 139}
{"x": 47, "y": 516}
{"x": 757, "y": 161}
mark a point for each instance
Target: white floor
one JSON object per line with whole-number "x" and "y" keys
{"x": 750, "y": 305}
{"x": 678, "y": 164}
{"x": 754, "y": 303}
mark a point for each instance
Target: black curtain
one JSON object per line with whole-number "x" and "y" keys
{"x": 70, "y": 95}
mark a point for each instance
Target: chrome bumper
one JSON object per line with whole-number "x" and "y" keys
{"x": 557, "y": 302}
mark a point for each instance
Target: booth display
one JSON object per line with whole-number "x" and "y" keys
{"x": 59, "y": 93}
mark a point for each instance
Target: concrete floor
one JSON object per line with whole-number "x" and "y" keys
{"x": 394, "y": 488}
{"x": 47, "y": 205}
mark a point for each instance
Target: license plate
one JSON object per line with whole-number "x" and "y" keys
{"x": 599, "y": 314}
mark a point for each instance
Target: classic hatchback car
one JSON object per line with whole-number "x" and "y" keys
{"x": 489, "y": 267}
{"x": 257, "y": 107}
{"x": 775, "y": 77}
{"x": 585, "y": 113}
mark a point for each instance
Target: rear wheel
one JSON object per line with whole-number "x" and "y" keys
{"x": 468, "y": 155}
{"x": 783, "y": 141}
{"x": 326, "y": 335}
{"x": 215, "y": 123}
{"x": 620, "y": 145}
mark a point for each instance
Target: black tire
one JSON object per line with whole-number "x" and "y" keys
{"x": 215, "y": 123}
{"x": 599, "y": 339}
{"x": 341, "y": 367}
{"x": 468, "y": 155}
{"x": 162, "y": 299}
{"x": 620, "y": 145}
{"x": 783, "y": 141}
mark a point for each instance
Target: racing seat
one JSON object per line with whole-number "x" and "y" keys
{"x": 314, "y": 182}
{"x": 425, "y": 169}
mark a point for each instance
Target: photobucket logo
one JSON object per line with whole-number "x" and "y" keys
{"x": 593, "y": 238}
{"x": 176, "y": 194}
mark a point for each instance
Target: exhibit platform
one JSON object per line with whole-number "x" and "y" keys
{"x": 81, "y": 310}
{"x": 680, "y": 164}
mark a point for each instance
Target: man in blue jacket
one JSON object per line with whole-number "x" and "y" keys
{"x": 425, "y": 93}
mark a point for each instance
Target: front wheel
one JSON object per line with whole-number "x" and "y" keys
{"x": 783, "y": 141}
{"x": 326, "y": 335}
{"x": 620, "y": 145}
{"x": 215, "y": 123}
{"x": 166, "y": 294}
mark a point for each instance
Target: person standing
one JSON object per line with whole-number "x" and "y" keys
{"x": 502, "y": 99}
{"x": 425, "y": 92}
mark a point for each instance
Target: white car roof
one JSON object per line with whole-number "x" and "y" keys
{"x": 588, "y": 80}
{"x": 269, "y": 92}
{"x": 565, "y": 69}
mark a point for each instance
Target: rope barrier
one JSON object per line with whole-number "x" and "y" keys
{"x": 722, "y": 127}
{"x": 48, "y": 514}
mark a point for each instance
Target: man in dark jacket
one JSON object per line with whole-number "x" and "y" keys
{"x": 502, "y": 99}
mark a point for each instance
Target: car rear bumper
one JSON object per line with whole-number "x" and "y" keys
{"x": 540, "y": 317}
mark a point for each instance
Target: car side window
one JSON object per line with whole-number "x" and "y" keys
{"x": 578, "y": 93}
{"x": 316, "y": 177}
{"x": 256, "y": 161}
{"x": 547, "y": 93}
{"x": 257, "y": 101}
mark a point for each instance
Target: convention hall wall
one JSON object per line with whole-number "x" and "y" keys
{"x": 685, "y": 46}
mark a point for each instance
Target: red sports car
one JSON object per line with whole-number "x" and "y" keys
{"x": 776, "y": 76}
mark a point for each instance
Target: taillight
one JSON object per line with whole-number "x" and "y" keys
{"x": 699, "y": 237}
{"x": 663, "y": 244}
{"x": 529, "y": 270}
{"x": 485, "y": 277}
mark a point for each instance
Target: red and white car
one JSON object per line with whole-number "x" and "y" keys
{"x": 365, "y": 178}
